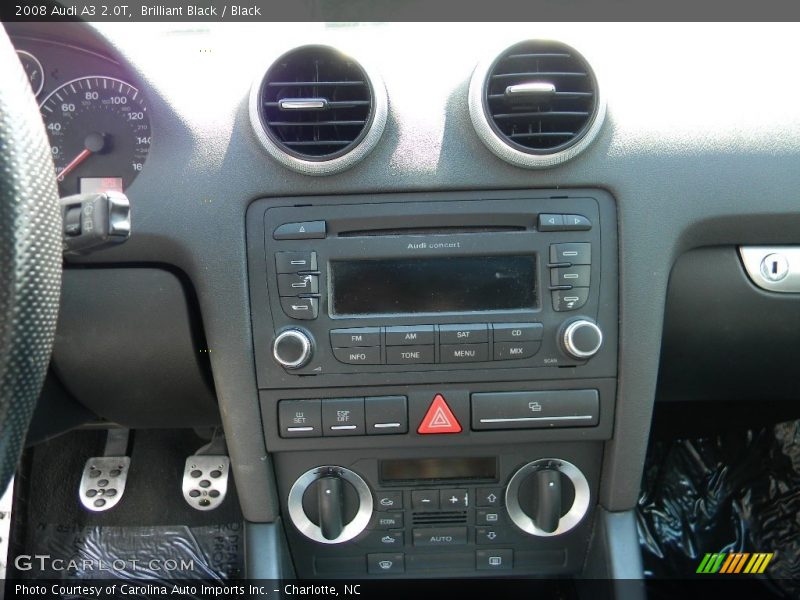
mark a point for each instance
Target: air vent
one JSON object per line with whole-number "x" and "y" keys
{"x": 537, "y": 104}
{"x": 318, "y": 111}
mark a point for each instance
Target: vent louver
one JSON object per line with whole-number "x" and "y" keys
{"x": 537, "y": 104}
{"x": 318, "y": 110}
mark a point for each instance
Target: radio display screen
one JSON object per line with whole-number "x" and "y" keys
{"x": 399, "y": 470}
{"x": 433, "y": 285}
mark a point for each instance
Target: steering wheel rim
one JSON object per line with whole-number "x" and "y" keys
{"x": 30, "y": 257}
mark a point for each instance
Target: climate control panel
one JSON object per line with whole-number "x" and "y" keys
{"x": 476, "y": 513}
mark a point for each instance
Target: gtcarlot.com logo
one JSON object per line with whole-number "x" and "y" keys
{"x": 734, "y": 562}
{"x": 44, "y": 562}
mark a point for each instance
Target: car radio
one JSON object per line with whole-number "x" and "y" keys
{"x": 430, "y": 284}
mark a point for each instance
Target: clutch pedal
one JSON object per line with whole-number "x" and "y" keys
{"x": 205, "y": 480}
{"x": 103, "y": 481}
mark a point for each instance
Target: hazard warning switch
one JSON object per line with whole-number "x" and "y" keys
{"x": 439, "y": 418}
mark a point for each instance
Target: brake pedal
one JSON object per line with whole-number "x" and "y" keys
{"x": 103, "y": 481}
{"x": 205, "y": 480}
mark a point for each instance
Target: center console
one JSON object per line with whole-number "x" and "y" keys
{"x": 437, "y": 376}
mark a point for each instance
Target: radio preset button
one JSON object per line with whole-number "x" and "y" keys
{"x": 409, "y": 355}
{"x": 358, "y": 356}
{"x": 356, "y": 336}
{"x": 459, "y": 353}
{"x": 517, "y": 332}
{"x": 300, "y": 418}
{"x": 573, "y": 276}
{"x": 473, "y": 333}
{"x": 303, "y": 309}
{"x": 573, "y": 299}
{"x": 306, "y": 230}
{"x": 294, "y": 284}
{"x": 576, "y": 253}
{"x": 440, "y": 536}
{"x": 515, "y": 350}
{"x": 343, "y": 416}
{"x": 409, "y": 335}
{"x": 294, "y": 262}
{"x": 386, "y": 415}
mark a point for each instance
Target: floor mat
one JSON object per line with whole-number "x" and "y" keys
{"x": 152, "y": 522}
{"x": 733, "y": 493}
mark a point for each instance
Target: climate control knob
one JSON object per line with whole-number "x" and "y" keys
{"x": 292, "y": 348}
{"x": 330, "y": 504}
{"x": 547, "y": 497}
{"x": 581, "y": 339}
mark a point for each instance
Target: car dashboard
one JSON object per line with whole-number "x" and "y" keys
{"x": 364, "y": 249}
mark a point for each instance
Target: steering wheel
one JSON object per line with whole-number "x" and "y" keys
{"x": 30, "y": 257}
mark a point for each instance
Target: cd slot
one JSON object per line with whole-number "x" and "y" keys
{"x": 431, "y": 230}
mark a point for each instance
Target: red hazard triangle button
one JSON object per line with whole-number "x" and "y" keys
{"x": 439, "y": 418}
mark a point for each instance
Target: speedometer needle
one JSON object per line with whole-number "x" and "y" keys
{"x": 84, "y": 154}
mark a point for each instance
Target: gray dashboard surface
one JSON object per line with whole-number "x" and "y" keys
{"x": 691, "y": 158}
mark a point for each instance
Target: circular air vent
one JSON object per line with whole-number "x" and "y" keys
{"x": 318, "y": 111}
{"x": 537, "y": 104}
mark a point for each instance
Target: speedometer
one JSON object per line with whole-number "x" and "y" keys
{"x": 99, "y": 132}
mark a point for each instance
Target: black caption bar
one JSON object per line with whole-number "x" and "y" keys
{"x": 399, "y": 10}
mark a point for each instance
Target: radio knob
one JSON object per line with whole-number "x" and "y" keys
{"x": 292, "y": 348}
{"x": 581, "y": 339}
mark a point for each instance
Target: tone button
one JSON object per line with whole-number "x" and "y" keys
{"x": 409, "y": 355}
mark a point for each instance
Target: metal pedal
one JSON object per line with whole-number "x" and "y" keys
{"x": 205, "y": 480}
{"x": 103, "y": 481}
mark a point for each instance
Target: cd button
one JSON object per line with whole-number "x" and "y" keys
{"x": 358, "y": 356}
{"x": 409, "y": 355}
{"x": 515, "y": 350}
{"x": 410, "y": 335}
{"x": 517, "y": 332}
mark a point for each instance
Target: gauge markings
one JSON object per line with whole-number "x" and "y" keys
{"x": 98, "y": 127}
